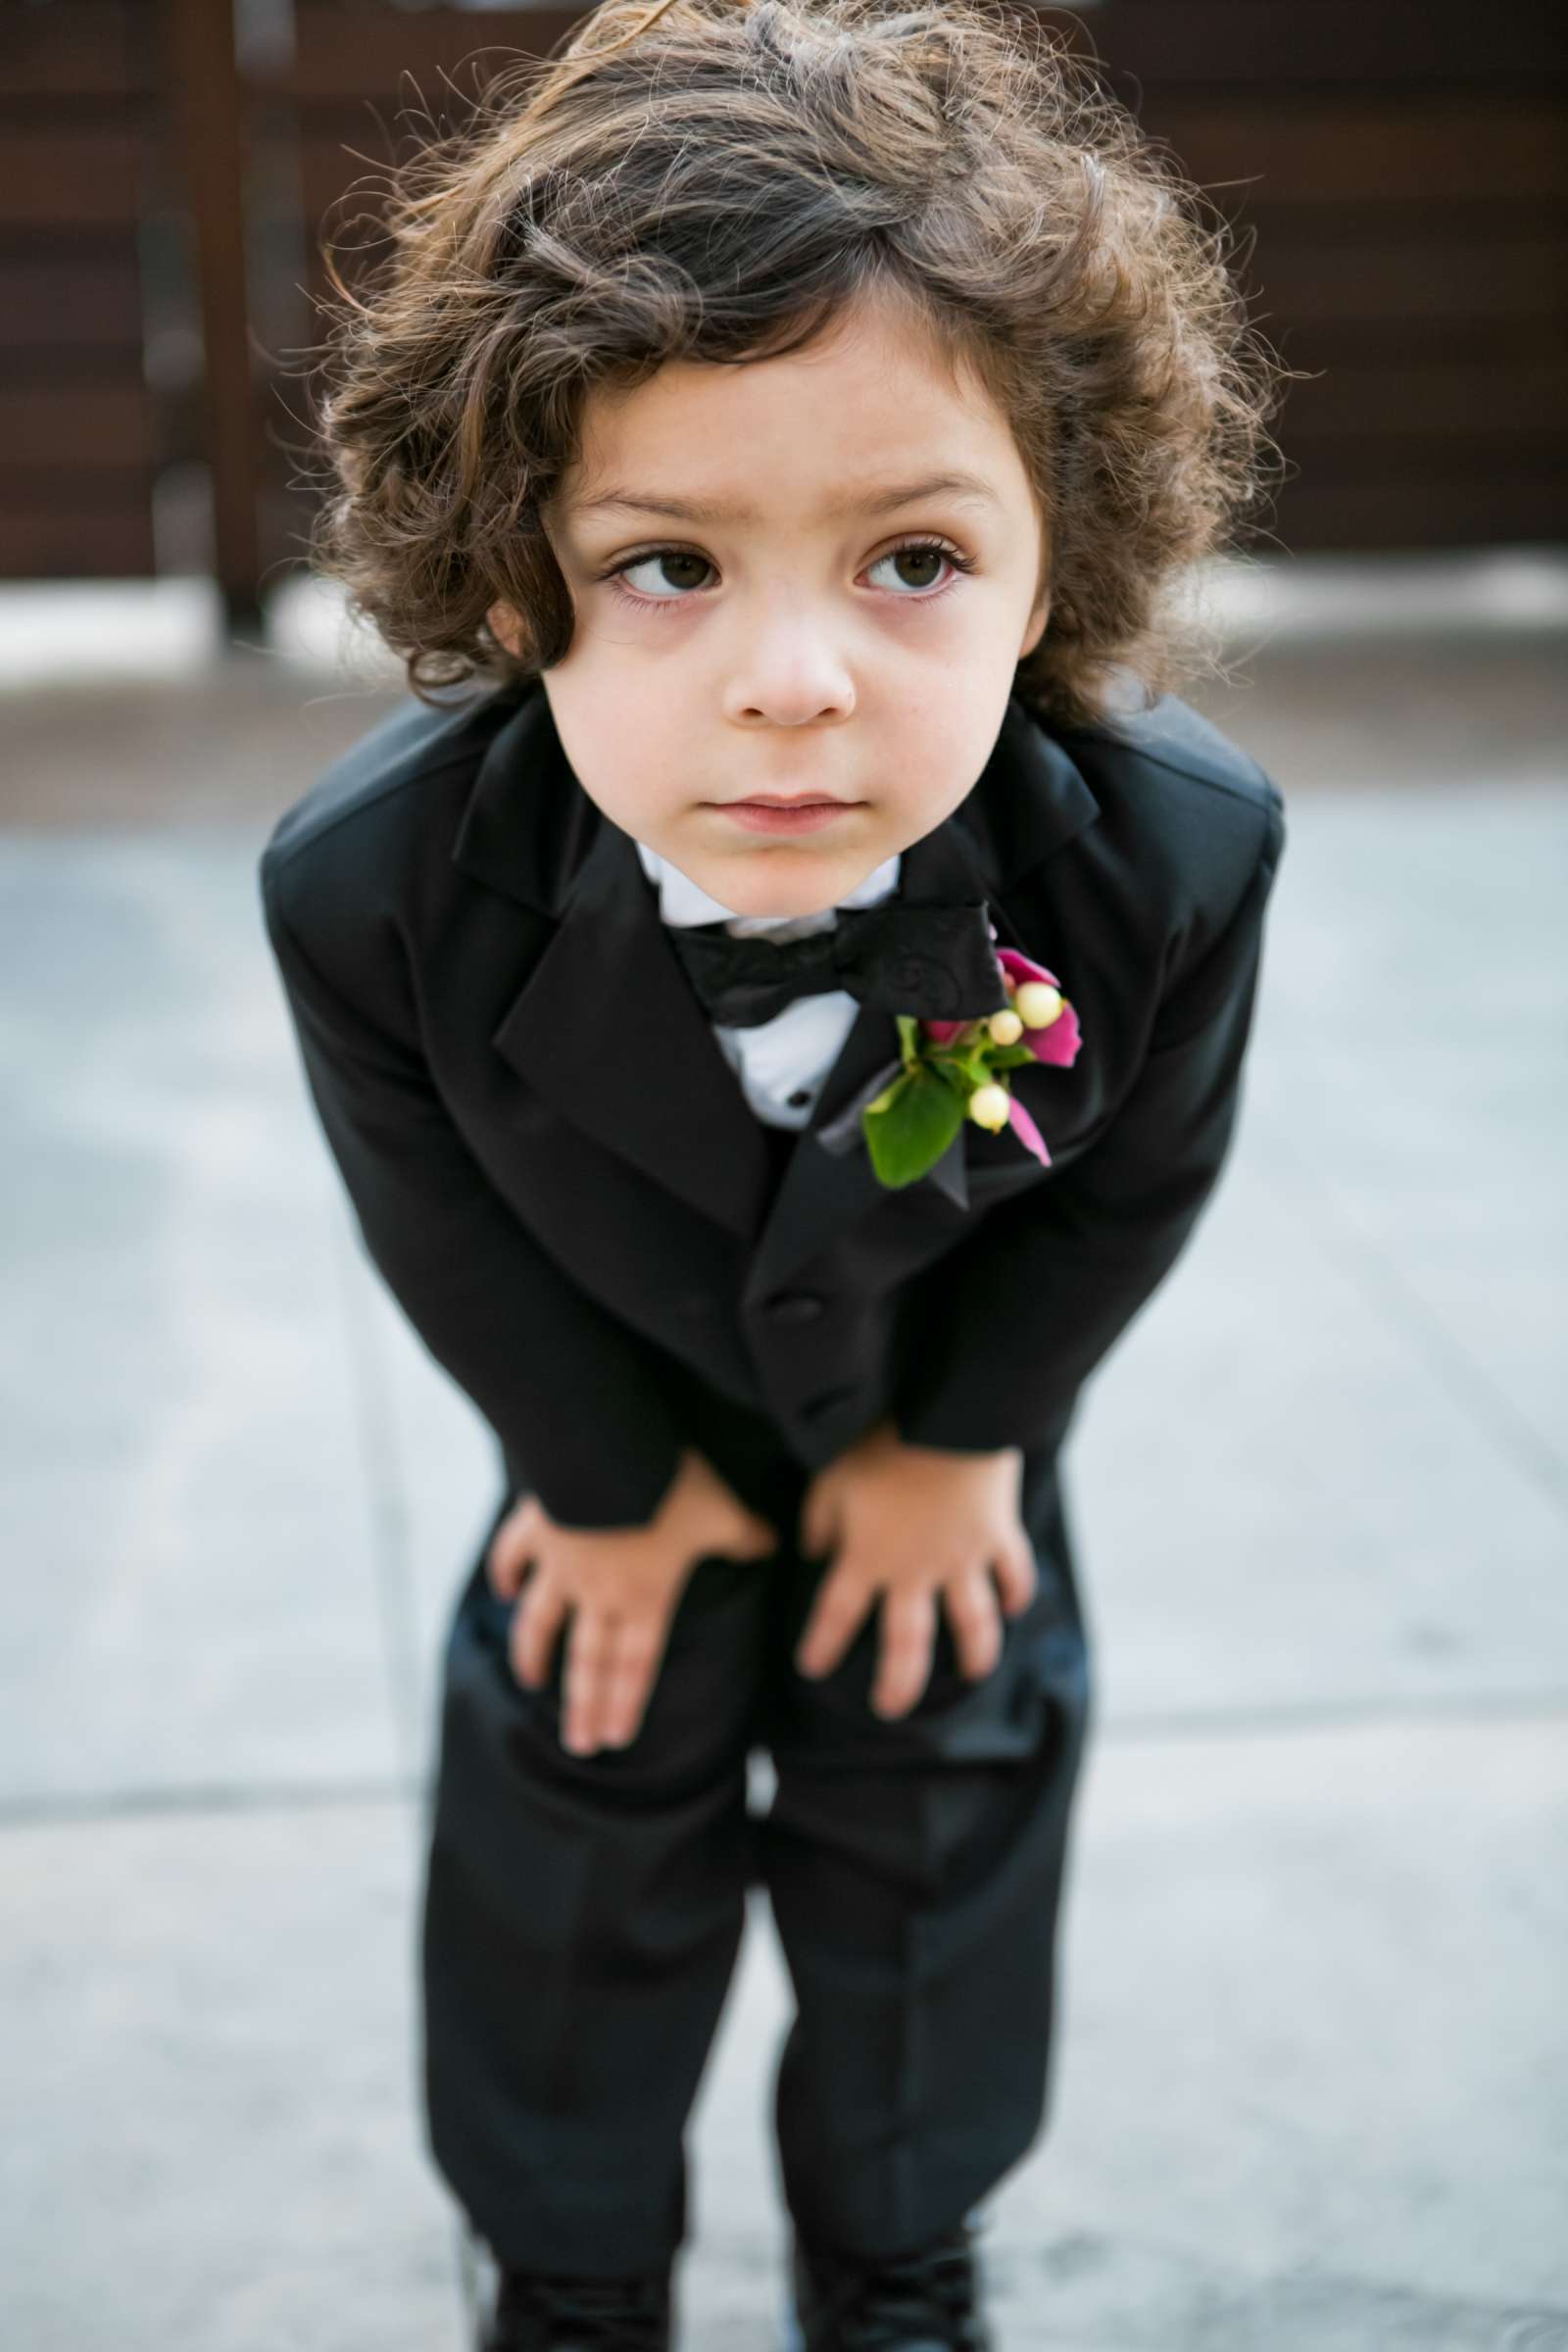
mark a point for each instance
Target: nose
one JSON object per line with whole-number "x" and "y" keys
{"x": 790, "y": 673}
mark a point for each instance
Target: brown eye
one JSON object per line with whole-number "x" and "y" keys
{"x": 923, "y": 563}
{"x": 675, "y": 576}
{"x": 666, "y": 563}
{"x": 924, "y": 559}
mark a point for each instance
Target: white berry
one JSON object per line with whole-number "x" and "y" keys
{"x": 1006, "y": 1028}
{"x": 1038, "y": 1004}
{"x": 988, "y": 1106}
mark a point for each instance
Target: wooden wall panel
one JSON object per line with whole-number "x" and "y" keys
{"x": 77, "y": 51}
{"x": 1382, "y": 153}
{"x": 345, "y": 53}
{"x": 345, "y": 56}
{"x": 58, "y": 177}
{"x": 1398, "y": 181}
{"x": 68, "y": 304}
{"x": 58, "y": 537}
{"x": 78, "y": 435}
{"x": 1397, "y": 177}
{"x": 87, "y": 426}
{"x": 1332, "y": 45}
{"x": 1410, "y": 405}
{"x": 1413, "y": 291}
{"x": 1347, "y": 510}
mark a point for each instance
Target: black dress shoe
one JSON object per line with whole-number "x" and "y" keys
{"x": 925, "y": 2301}
{"x": 535, "y": 2314}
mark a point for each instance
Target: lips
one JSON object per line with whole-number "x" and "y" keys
{"x": 794, "y": 800}
{"x": 790, "y": 817}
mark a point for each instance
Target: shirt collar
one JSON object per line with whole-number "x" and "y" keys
{"x": 683, "y": 900}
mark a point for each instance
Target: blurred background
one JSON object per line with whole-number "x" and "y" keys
{"x": 1330, "y": 1782}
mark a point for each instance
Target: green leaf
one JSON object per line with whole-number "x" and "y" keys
{"x": 911, "y": 1134}
{"x": 909, "y": 1035}
{"x": 890, "y": 1093}
{"x": 1009, "y": 1057}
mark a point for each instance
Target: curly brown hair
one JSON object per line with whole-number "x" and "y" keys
{"x": 715, "y": 181}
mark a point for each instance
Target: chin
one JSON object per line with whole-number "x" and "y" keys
{"x": 779, "y": 904}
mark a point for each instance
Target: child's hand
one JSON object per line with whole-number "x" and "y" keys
{"x": 910, "y": 1522}
{"x": 621, "y": 1586}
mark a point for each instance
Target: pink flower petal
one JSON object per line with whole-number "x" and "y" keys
{"x": 1059, "y": 1042}
{"x": 1021, "y": 969}
{"x": 1056, "y": 1044}
{"x": 1026, "y": 1131}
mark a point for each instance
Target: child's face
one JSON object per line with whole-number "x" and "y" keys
{"x": 793, "y": 649}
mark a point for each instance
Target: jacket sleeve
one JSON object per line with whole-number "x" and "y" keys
{"x": 572, "y": 1393}
{"x": 1020, "y": 1313}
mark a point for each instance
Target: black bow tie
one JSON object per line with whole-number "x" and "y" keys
{"x": 934, "y": 962}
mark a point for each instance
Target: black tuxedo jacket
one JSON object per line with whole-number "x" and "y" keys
{"x": 553, "y": 1167}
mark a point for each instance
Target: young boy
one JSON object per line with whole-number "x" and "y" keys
{"x": 596, "y": 1036}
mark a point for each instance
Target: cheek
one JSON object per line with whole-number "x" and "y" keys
{"x": 942, "y": 729}
{"x": 627, "y": 759}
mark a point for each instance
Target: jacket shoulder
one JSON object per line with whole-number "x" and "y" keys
{"x": 1201, "y": 819}
{"x": 371, "y": 830}
{"x": 409, "y": 746}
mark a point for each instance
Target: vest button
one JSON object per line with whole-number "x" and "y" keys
{"x": 797, "y": 1306}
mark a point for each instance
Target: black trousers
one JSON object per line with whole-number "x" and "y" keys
{"x": 582, "y": 1914}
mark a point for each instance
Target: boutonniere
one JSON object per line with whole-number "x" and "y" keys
{"x": 956, "y": 1070}
{"x": 911, "y": 1114}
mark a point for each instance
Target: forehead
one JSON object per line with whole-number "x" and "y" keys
{"x": 862, "y": 498}
{"x": 862, "y": 421}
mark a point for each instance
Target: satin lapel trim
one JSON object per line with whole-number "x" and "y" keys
{"x": 607, "y": 1028}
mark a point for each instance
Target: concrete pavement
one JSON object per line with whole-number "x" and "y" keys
{"x": 1313, "y": 2076}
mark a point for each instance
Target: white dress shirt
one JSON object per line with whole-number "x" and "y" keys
{"x": 781, "y": 1063}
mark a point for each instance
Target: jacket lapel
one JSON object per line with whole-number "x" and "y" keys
{"x": 607, "y": 1025}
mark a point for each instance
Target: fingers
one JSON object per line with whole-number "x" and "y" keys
{"x": 1017, "y": 1576}
{"x": 611, "y": 1663}
{"x": 611, "y": 1666}
{"x": 628, "y": 1674}
{"x": 904, "y": 1661}
{"x": 909, "y": 1625}
{"x": 976, "y": 1621}
{"x": 511, "y": 1548}
{"x": 841, "y": 1604}
{"x": 536, "y": 1628}
{"x": 582, "y": 1687}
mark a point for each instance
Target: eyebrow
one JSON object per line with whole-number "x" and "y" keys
{"x": 969, "y": 489}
